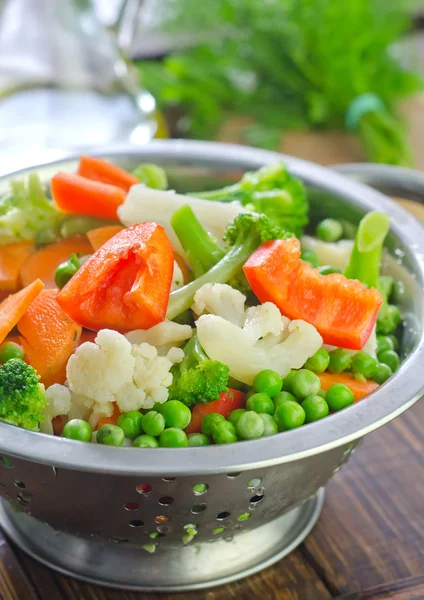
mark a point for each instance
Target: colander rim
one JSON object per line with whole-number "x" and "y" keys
{"x": 381, "y": 406}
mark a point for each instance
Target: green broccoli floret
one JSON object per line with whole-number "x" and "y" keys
{"x": 26, "y": 212}
{"x": 22, "y": 398}
{"x": 271, "y": 191}
{"x": 197, "y": 379}
{"x": 243, "y": 236}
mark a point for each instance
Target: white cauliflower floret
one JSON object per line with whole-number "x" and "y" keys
{"x": 336, "y": 254}
{"x": 177, "y": 277}
{"x": 112, "y": 370}
{"x": 263, "y": 320}
{"x": 222, "y": 300}
{"x": 99, "y": 370}
{"x": 163, "y": 336}
{"x": 59, "y": 402}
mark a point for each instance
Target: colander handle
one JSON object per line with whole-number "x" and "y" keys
{"x": 393, "y": 181}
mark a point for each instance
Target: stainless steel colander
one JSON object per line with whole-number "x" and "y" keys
{"x": 170, "y": 519}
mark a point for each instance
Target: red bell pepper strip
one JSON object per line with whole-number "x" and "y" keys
{"x": 343, "y": 310}
{"x": 227, "y": 402}
{"x": 125, "y": 285}
{"x": 79, "y": 195}
{"x": 101, "y": 170}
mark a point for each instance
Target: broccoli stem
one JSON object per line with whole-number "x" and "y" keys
{"x": 365, "y": 260}
{"x": 224, "y": 270}
{"x": 201, "y": 249}
{"x": 222, "y": 195}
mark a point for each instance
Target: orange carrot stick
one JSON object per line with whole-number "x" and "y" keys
{"x": 12, "y": 257}
{"x": 79, "y": 195}
{"x": 359, "y": 389}
{"x": 101, "y": 170}
{"x": 15, "y": 306}
{"x": 101, "y": 235}
{"x": 110, "y": 420}
{"x": 49, "y": 337}
{"x": 43, "y": 263}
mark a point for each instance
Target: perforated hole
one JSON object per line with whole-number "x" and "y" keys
{"x": 168, "y": 478}
{"x": 160, "y": 519}
{"x": 150, "y": 548}
{"x": 155, "y": 534}
{"x": 200, "y": 489}
{"x": 166, "y": 500}
{"x": 232, "y": 475}
{"x": 144, "y": 488}
{"x": 256, "y": 498}
{"x": 254, "y": 483}
{"x": 131, "y": 506}
{"x": 163, "y": 529}
{"x": 19, "y": 484}
{"x": 24, "y": 498}
{"x": 229, "y": 538}
{"x": 118, "y": 540}
{"x": 218, "y": 530}
{"x": 244, "y": 516}
{"x": 135, "y": 523}
{"x": 6, "y": 462}
{"x": 198, "y": 508}
{"x": 223, "y": 515}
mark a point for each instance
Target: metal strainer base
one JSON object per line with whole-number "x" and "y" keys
{"x": 174, "y": 569}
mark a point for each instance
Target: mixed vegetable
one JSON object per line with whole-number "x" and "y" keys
{"x": 135, "y": 316}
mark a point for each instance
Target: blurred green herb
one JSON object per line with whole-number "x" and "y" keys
{"x": 288, "y": 64}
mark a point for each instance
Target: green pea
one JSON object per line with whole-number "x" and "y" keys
{"x": 9, "y": 350}
{"x": 340, "y": 360}
{"x": 268, "y": 382}
{"x": 315, "y": 408}
{"x": 329, "y": 230}
{"x": 384, "y": 342}
{"x": 283, "y": 397}
{"x": 176, "y": 414}
{"x": 270, "y": 426}
{"x": 395, "y": 342}
{"x": 111, "y": 435}
{"x": 390, "y": 358}
{"x": 224, "y": 433}
{"x": 153, "y": 423}
{"x": 305, "y": 383}
{"x": 198, "y": 439}
{"x": 66, "y": 270}
{"x": 235, "y": 415}
{"x": 130, "y": 423}
{"x": 145, "y": 441}
{"x": 250, "y": 426}
{"x": 318, "y": 362}
{"x": 260, "y": 403}
{"x": 364, "y": 364}
{"x": 78, "y": 429}
{"x": 310, "y": 257}
{"x": 382, "y": 373}
{"x": 289, "y": 415}
{"x": 395, "y": 314}
{"x": 328, "y": 270}
{"x": 339, "y": 396}
{"x": 287, "y": 381}
{"x": 173, "y": 438}
{"x": 209, "y": 421}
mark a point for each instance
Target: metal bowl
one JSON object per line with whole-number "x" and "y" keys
{"x": 113, "y": 515}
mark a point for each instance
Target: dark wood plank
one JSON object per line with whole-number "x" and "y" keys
{"x": 372, "y": 527}
{"x": 405, "y": 589}
{"x": 14, "y": 583}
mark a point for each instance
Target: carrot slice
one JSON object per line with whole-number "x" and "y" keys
{"x": 43, "y": 263}
{"x": 226, "y": 403}
{"x": 3, "y": 295}
{"x": 359, "y": 389}
{"x": 343, "y": 310}
{"x": 15, "y": 306}
{"x": 58, "y": 424}
{"x": 101, "y": 170}
{"x": 49, "y": 337}
{"x": 82, "y": 196}
{"x": 110, "y": 420}
{"x": 101, "y": 235}
{"x": 12, "y": 257}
